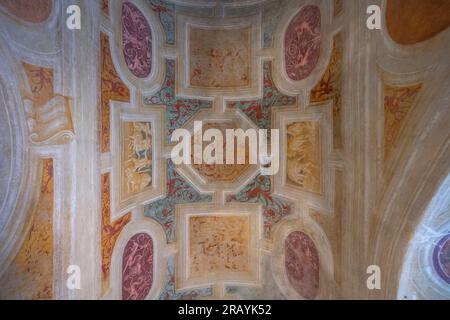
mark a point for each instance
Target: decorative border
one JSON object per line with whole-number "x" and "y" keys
{"x": 195, "y": 177}
{"x": 321, "y": 113}
{"x": 124, "y": 112}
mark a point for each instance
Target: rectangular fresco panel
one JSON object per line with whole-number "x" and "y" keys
{"x": 329, "y": 88}
{"x": 30, "y": 275}
{"x": 112, "y": 88}
{"x": 219, "y": 58}
{"x": 219, "y": 244}
{"x": 110, "y": 229}
{"x": 136, "y": 157}
{"x": 398, "y": 101}
{"x": 303, "y": 155}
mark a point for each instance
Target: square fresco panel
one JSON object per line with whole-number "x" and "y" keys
{"x": 219, "y": 58}
{"x": 218, "y": 244}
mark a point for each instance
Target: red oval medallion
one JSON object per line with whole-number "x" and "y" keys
{"x": 136, "y": 41}
{"x": 302, "y": 43}
{"x": 302, "y": 264}
{"x": 137, "y": 267}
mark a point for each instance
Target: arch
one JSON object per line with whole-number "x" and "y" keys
{"x": 18, "y": 170}
{"x": 409, "y": 178}
{"x": 301, "y": 261}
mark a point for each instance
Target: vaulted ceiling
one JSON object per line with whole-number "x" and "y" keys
{"x": 363, "y": 146}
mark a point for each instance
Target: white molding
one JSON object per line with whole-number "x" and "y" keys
{"x": 250, "y": 278}
{"x": 124, "y": 112}
{"x": 184, "y": 89}
{"x": 281, "y": 79}
{"x": 153, "y": 82}
{"x": 327, "y": 285}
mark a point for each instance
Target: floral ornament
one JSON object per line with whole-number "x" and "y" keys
{"x": 178, "y": 191}
{"x": 260, "y": 111}
{"x": 259, "y": 191}
{"x": 178, "y": 110}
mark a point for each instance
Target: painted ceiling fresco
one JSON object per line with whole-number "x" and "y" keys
{"x": 163, "y": 230}
{"x": 219, "y": 57}
{"x": 34, "y": 261}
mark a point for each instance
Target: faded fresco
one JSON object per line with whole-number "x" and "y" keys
{"x": 219, "y": 58}
{"x": 329, "y": 88}
{"x": 260, "y": 111}
{"x": 221, "y": 172}
{"x": 87, "y": 123}
{"x": 218, "y": 244}
{"x": 110, "y": 230}
{"x": 303, "y": 155}
{"x": 302, "y": 264}
{"x": 136, "y": 157}
{"x": 398, "y": 101}
{"x": 178, "y": 191}
{"x": 48, "y": 114}
{"x": 259, "y": 190}
{"x": 112, "y": 88}
{"x": 35, "y": 11}
{"x": 338, "y": 7}
{"x": 30, "y": 276}
{"x": 179, "y": 110}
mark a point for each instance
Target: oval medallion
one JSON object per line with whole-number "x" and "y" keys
{"x": 137, "y": 267}
{"x": 302, "y": 43}
{"x": 302, "y": 264}
{"x": 136, "y": 41}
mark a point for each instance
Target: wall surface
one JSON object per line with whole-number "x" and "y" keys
{"x": 87, "y": 117}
